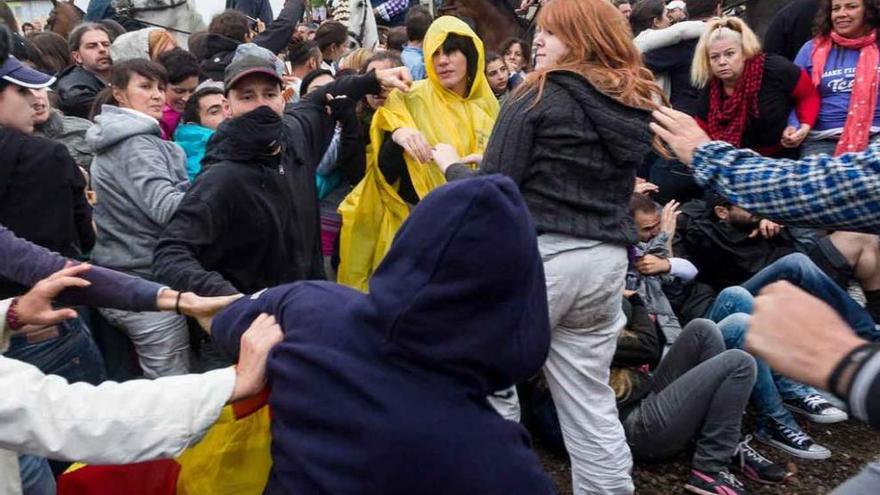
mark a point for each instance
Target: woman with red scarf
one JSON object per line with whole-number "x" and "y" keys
{"x": 747, "y": 94}
{"x": 842, "y": 62}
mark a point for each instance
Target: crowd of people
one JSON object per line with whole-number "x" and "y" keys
{"x": 590, "y": 232}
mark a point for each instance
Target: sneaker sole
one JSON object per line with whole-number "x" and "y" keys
{"x": 753, "y": 475}
{"x": 817, "y": 418}
{"x": 700, "y": 491}
{"x": 816, "y": 456}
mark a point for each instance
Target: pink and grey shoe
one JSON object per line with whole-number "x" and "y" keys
{"x": 720, "y": 483}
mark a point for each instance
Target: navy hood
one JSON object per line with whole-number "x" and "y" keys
{"x": 462, "y": 288}
{"x": 385, "y": 392}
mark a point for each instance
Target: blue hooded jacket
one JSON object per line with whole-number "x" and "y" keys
{"x": 193, "y": 138}
{"x": 384, "y": 393}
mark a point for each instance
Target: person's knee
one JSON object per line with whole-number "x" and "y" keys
{"x": 735, "y": 292}
{"x": 795, "y": 262}
{"x": 733, "y": 329}
{"x": 740, "y": 362}
{"x": 705, "y": 330}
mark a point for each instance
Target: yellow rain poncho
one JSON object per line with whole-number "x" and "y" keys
{"x": 373, "y": 212}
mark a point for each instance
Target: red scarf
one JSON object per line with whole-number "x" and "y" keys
{"x": 863, "y": 101}
{"x": 728, "y": 114}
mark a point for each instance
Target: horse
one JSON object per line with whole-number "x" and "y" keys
{"x": 495, "y": 21}
{"x": 178, "y": 17}
{"x": 357, "y": 15}
{"x": 63, "y": 17}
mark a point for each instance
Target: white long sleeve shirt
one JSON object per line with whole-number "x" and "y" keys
{"x": 112, "y": 423}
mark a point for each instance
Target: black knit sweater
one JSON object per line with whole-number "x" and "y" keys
{"x": 574, "y": 156}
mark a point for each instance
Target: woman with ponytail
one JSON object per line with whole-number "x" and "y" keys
{"x": 571, "y": 137}
{"x": 842, "y": 61}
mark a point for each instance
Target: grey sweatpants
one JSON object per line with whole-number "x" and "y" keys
{"x": 160, "y": 339}
{"x": 864, "y": 483}
{"x": 585, "y": 282}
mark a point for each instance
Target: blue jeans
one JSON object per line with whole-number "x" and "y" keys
{"x": 732, "y": 310}
{"x": 72, "y": 354}
{"x": 36, "y": 476}
{"x": 97, "y": 10}
{"x": 802, "y": 272}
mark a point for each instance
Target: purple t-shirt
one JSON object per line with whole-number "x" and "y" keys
{"x": 835, "y": 89}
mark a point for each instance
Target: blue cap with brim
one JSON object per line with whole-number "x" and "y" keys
{"x": 15, "y": 72}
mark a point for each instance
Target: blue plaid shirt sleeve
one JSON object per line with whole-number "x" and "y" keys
{"x": 391, "y": 8}
{"x": 819, "y": 191}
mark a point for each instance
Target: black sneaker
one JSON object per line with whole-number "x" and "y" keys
{"x": 756, "y": 467}
{"x": 795, "y": 442}
{"x": 816, "y": 408}
{"x": 722, "y": 483}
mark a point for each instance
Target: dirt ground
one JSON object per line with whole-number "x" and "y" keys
{"x": 852, "y": 445}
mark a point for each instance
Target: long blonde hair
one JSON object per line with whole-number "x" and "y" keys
{"x": 721, "y": 28}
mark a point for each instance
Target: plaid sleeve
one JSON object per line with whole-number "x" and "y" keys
{"x": 819, "y": 191}
{"x": 391, "y": 8}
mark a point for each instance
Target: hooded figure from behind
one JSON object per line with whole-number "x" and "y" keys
{"x": 385, "y": 392}
{"x": 394, "y": 180}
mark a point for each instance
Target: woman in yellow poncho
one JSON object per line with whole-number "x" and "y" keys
{"x": 453, "y": 105}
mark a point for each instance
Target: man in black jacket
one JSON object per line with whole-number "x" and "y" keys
{"x": 42, "y": 191}
{"x": 232, "y": 28}
{"x": 250, "y": 220}
{"x": 79, "y": 84}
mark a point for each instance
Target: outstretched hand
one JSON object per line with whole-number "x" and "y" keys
{"x": 680, "y": 132}
{"x": 394, "y": 78}
{"x": 35, "y": 307}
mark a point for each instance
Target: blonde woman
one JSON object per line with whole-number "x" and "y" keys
{"x": 747, "y": 95}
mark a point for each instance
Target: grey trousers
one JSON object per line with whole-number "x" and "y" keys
{"x": 865, "y": 483}
{"x": 585, "y": 282}
{"x": 160, "y": 339}
{"x": 700, "y": 392}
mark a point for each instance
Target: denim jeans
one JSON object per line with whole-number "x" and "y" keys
{"x": 731, "y": 311}
{"x": 802, "y": 272}
{"x": 700, "y": 392}
{"x": 36, "y": 476}
{"x": 72, "y": 354}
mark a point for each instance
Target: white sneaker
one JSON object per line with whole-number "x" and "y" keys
{"x": 816, "y": 408}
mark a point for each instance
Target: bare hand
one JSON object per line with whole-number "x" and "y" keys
{"x": 256, "y": 342}
{"x": 414, "y": 143}
{"x": 680, "y": 131}
{"x": 445, "y": 155}
{"x": 798, "y": 335}
{"x": 475, "y": 158}
{"x": 395, "y": 78}
{"x": 204, "y": 309}
{"x": 792, "y": 138}
{"x": 669, "y": 218}
{"x": 766, "y": 229}
{"x": 35, "y": 307}
{"x": 645, "y": 187}
{"x": 653, "y": 265}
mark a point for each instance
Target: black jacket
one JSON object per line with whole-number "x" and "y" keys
{"x": 250, "y": 220}
{"x": 77, "y": 89}
{"x": 574, "y": 156}
{"x": 790, "y": 28}
{"x": 42, "y": 198}
{"x": 675, "y": 61}
{"x": 640, "y": 344}
{"x": 219, "y": 50}
{"x": 724, "y": 255}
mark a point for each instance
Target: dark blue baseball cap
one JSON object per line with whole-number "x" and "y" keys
{"x": 17, "y": 73}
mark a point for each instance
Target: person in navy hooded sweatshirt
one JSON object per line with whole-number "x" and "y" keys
{"x": 385, "y": 393}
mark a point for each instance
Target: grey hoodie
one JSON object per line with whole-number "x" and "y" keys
{"x": 139, "y": 179}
